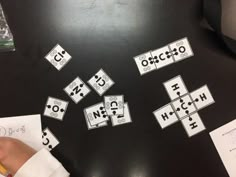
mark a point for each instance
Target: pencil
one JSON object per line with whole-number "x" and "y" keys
{"x": 3, "y": 170}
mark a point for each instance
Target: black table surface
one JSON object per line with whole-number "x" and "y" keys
{"x": 108, "y": 34}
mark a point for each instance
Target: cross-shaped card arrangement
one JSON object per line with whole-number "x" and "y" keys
{"x": 159, "y": 58}
{"x": 184, "y": 106}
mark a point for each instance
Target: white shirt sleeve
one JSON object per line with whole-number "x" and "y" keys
{"x": 42, "y": 164}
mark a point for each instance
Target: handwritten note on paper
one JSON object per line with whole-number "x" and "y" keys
{"x": 28, "y": 129}
{"x": 224, "y": 139}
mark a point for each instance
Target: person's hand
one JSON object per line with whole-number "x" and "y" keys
{"x": 14, "y": 153}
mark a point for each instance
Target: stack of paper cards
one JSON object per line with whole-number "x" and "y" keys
{"x": 112, "y": 108}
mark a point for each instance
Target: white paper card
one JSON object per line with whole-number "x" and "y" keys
{"x": 202, "y": 97}
{"x": 161, "y": 57}
{"x": 184, "y": 106}
{"x": 91, "y": 127}
{"x": 145, "y": 63}
{"x": 49, "y": 139}
{"x": 165, "y": 116}
{"x": 224, "y": 139}
{"x": 122, "y": 119}
{"x": 114, "y": 105}
{"x": 193, "y": 124}
{"x": 58, "y": 57}
{"x": 101, "y": 82}
{"x": 96, "y": 114}
{"x": 55, "y": 108}
{"x": 181, "y": 49}
{"x": 175, "y": 87}
{"x": 77, "y": 90}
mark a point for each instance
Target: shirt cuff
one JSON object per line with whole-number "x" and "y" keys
{"x": 42, "y": 164}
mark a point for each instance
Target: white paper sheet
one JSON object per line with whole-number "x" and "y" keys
{"x": 28, "y": 129}
{"x": 224, "y": 139}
